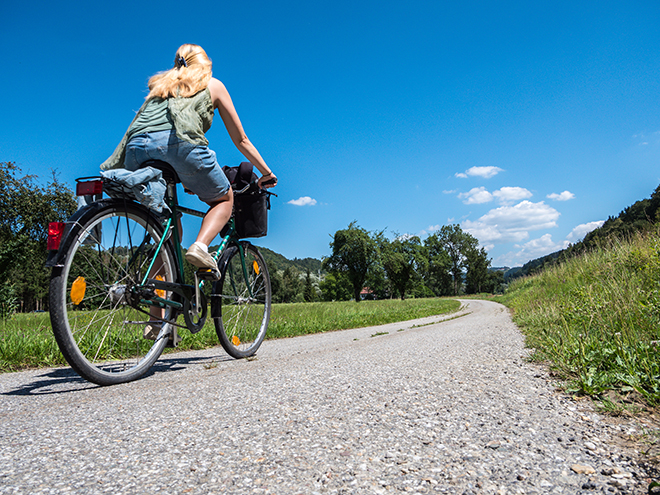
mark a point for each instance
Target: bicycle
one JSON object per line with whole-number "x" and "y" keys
{"x": 115, "y": 261}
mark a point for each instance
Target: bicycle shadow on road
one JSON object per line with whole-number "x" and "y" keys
{"x": 177, "y": 361}
{"x": 54, "y": 381}
{"x": 66, "y": 380}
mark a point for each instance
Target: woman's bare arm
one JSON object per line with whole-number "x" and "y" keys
{"x": 222, "y": 101}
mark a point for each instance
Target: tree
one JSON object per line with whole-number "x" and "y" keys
{"x": 377, "y": 283}
{"x": 309, "y": 292}
{"x": 291, "y": 288}
{"x": 404, "y": 261}
{"x": 456, "y": 244}
{"x": 477, "y": 276}
{"x": 335, "y": 287}
{"x": 438, "y": 276}
{"x": 354, "y": 252}
{"x": 26, "y": 209}
{"x": 496, "y": 284}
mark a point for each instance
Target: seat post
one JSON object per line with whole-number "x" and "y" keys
{"x": 171, "y": 192}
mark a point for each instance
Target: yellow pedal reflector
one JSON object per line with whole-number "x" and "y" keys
{"x": 160, "y": 292}
{"x": 255, "y": 266}
{"x": 78, "y": 288}
{"x": 235, "y": 340}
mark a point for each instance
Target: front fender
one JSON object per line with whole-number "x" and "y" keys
{"x": 216, "y": 302}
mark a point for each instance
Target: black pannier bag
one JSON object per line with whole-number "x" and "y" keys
{"x": 251, "y": 207}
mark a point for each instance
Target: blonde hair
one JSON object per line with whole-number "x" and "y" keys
{"x": 191, "y": 74}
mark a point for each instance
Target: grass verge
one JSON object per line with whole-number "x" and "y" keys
{"x": 596, "y": 319}
{"x": 26, "y": 340}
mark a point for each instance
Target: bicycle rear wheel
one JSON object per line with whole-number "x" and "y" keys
{"x": 242, "y": 301}
{"x": 94, "y": 307}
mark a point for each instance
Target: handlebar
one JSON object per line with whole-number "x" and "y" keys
{"x": 241, "y": 191}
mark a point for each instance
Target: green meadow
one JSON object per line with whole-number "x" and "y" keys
{"x": 26, "y": 340}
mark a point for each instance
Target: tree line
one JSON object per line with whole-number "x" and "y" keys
{"x": 368, "y": 265}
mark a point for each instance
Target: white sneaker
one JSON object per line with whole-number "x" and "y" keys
{"x": 152, "y": 330}
{"x": 201, "y": 259}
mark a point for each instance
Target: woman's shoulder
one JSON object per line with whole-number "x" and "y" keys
{"x": 217, "y": 91}
{"x": 216, "y": 84}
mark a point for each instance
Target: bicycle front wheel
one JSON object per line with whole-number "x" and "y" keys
{"x": 243, "y": 298}
{"x": 96, "y": 298}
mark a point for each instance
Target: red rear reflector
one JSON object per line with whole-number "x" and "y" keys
{"x": 55, "y": 231}
{"x": 89, "y": 188}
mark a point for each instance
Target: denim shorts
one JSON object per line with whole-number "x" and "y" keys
{"x": 196, "y": 166}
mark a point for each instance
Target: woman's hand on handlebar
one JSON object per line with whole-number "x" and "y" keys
{"x": 268, "y": 180}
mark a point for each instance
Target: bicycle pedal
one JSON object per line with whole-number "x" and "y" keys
{"x": 174, "y": 339}
{"x": 208, "y": 274}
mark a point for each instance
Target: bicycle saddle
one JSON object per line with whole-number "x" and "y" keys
{"x": 169, "y": 174}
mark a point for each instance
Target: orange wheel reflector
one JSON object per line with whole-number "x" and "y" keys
{"x": 160, "y": 292}
{"x": 255, "y": 266}
{"x": 235, "y": 340}
{"x": 78, "y": 290}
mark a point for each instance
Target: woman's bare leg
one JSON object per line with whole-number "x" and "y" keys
{"x": 216, "y": 218}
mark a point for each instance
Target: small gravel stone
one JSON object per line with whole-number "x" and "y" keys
{"x": 580, "y": 469}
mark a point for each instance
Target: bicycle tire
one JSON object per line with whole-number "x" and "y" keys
{"x": 100, "y": 335}
{"x": 241, "y": 308}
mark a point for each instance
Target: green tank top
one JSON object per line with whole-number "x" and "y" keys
{"x": 189, "y": 117}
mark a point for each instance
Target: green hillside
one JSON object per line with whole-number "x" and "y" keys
{"x": 641, "y": 216}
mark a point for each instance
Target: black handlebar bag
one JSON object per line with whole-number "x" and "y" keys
{"x": 250, "y": 207}
{"x": 251, "y": 212}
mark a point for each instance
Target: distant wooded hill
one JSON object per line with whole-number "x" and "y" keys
{"x": 640, "y": 216}
{"x": 277, "y": 262}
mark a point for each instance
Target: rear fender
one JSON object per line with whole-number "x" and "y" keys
{"x": 74, "y": 225}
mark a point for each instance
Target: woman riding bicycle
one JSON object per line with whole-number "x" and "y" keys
{"x": 170, "y": 126}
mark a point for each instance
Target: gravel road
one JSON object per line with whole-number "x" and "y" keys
{"x": 432, "y": 406}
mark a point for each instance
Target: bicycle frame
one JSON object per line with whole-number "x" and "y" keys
{"x": 229, "y": 238}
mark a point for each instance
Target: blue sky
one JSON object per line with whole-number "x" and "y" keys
{"x": 525, "y": 122}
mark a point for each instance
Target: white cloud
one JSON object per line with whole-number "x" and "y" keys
{"x": 485, "y": 172}
{"x": 509, "y": 195}
{"x": 512, "y": 223}
{"x": 536, "y": 248}
{"x": 404, "y": 237}
{"x": 565, "y": 196}
{"x": 476, "y": 196}
{"x": 429, "y": 230}
{"x": 505, "y": 195}
{"x": 541, "y": 246}
{"x": 580, "y": 231}
{"x": 302, "y": 201}
{"x": 544, "y": 245}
